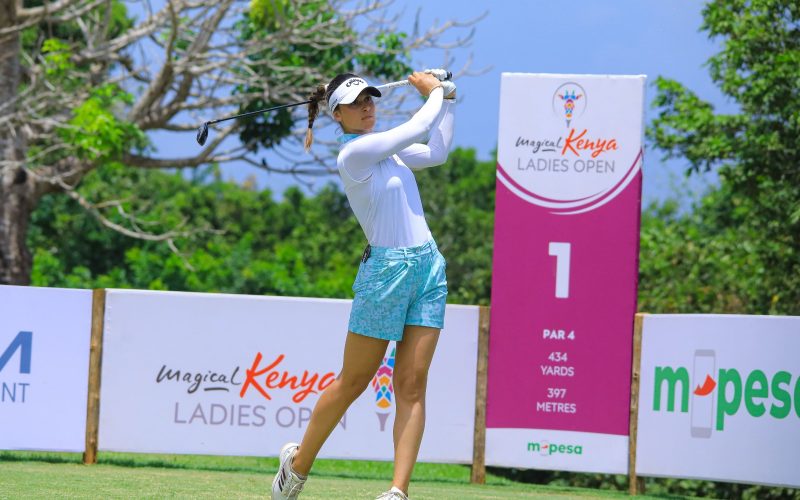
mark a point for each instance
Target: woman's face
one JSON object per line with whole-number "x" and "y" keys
{"x": 357, "y": 117}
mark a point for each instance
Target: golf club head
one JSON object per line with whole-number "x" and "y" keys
{"x": 202, "y": 134}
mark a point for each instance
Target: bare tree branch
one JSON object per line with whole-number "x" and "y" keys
{"x": 30, "y": 17}
{"x": 183, "y": 63}
{"x": 46, "y": 9}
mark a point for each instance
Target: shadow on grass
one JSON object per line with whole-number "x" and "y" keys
{"x": 60, "y": 458}
{"x": 77, "y": 458}
{"x": 268, "y": 467}
{"x": 617, "y": 483}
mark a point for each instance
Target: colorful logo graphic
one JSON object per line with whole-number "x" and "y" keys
{"x": 384, "y": 391}
{"x": 761, "y": 395}
{"x": 569, "y": 101}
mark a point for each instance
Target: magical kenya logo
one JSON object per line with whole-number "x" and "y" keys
{"x": 266, "y": 376}
{"x": 263, "y": 377}
{"x": 574, "y": 161}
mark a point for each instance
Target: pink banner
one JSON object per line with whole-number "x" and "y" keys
{"x": 566, "y": 247}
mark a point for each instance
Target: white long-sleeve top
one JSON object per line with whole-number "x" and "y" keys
{"x": 376, "y": 170}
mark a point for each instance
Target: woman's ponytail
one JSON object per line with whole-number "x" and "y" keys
{"x": 313, "y": 110}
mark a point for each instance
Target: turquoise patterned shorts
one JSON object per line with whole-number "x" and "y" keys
{"x": 397, "y": 287}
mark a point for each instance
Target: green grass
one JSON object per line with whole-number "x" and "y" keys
{"x": 123, "y": 475}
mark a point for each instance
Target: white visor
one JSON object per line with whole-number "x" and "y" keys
{"x": 349, "y": 90}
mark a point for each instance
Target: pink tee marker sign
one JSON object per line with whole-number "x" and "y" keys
{"x": 566, "y": 248}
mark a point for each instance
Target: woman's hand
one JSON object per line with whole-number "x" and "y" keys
{"x": 424, "y": 82}
{"x": 449, "y": 89}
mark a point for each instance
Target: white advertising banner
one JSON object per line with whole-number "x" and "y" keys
{"x": 720, "y": 398}
{"x": 44, "y": 368}
{"x": 240, "y": 375}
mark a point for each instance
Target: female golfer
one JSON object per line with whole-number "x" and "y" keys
{"x": 401, "y": 288}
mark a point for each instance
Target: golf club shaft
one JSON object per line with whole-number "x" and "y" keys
{"x": 392, "y": 85}
{"x": 259, "y": 111}
{"x": 438, "y": 73}
{"x": 441, "y": 74}
{"x": 202, "y": 131}
{"x": 386, "y": 86}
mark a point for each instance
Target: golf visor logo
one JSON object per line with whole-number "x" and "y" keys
{"x": 351, "y": 86}
{"x": 355, "y": 81}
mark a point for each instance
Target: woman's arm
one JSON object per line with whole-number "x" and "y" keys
{"x": 361, "y": 154}
{"x": 419, "y": 156}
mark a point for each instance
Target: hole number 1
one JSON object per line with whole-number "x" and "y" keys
{"x": 561, "y": 251}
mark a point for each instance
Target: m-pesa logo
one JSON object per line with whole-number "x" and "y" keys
{"x": 546, "y": 448}
{"x": 719, "y": 393}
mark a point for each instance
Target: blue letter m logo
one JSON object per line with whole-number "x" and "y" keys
{"x": 23, "y": 341}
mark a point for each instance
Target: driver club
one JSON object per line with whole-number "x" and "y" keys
{"x": 202, "y": 130}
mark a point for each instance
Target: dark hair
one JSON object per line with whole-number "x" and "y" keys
{"x": 322, "y": 92}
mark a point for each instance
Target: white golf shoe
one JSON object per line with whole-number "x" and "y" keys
{"x": 287, "y": 484}
{"x": 394, "y": 494}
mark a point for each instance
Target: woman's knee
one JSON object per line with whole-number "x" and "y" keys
{"x": 354, "y": 383}
{"x": 410, "y": 387}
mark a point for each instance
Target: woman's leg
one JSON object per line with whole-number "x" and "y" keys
{"x": 412, "y": 361}
{"x": 362, "y": 357}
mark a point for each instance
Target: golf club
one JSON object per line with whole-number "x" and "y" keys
{"x": 202, "y": 130}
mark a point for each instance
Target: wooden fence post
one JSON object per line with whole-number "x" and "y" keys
{"x": 478, "y": 475}
{"x": 95, "y": 362}
{"x": 635, "y": 485}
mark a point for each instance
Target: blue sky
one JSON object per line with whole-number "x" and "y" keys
{"x": 651, "y": 37}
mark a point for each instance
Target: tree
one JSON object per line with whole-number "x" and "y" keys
{"x": 82, "y": 85}
{"x": 299, "y": 246}
{"x": 749, "y": 228}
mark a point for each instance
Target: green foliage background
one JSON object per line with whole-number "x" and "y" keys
{"x": 250, "y": 243}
